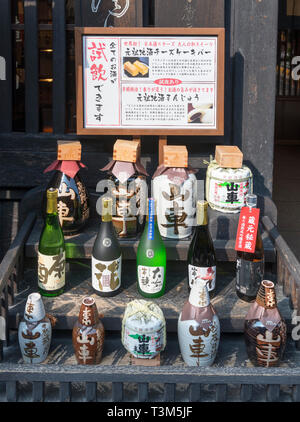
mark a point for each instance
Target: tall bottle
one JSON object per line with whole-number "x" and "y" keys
{"x": 106, "y": 255}
{"x": 51, "y": 251}
{"x": 201, "y": 255}
{"x": 250, "y": 266}
{"x": 151, "y": 258}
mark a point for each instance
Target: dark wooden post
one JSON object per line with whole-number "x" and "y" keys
{"x": 254, "y": 29}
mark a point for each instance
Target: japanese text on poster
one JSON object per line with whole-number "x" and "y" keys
{"x": 146, "y": 82}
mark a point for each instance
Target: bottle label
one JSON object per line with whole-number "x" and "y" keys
{"x": 228, "y": 194}
{"x": 150, "y": 279}
{"x": 249, "y": 275}
{"x": 106, "y": 242}
{"x": 143, "y": 345}
{"x": 151, "y": 220}
{"x": 106, "y": 275}
{"x": 51, "y": 271}
{"x": 203, "y": 273}
{"x": 150, "y": 253}
{"x": 247, "y": 230}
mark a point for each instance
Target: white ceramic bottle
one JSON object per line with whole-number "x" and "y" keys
{"x": 198, "y": 328}
{"x": 35, "y": 331}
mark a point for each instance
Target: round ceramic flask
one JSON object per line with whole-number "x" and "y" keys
{"x": 35, "y": 331}
{"x": 175, "y": 193}
{"x": 143, "y": 329}
{"x": 265, "y": 329}
{"x": 198, "y": 328}
{"x": 88, "y": 334}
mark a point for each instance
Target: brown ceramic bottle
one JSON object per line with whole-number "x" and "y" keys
{"x": 88, "y": 334}
{"x": 265, "y": 329}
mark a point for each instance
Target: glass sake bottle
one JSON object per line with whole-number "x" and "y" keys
{"x": 51, "y": 251}
{"x": 201, "y": 255}
{"x": 106, "y": 255}
{"x": 250, "y": 266}
{"x": 151, "y": 258}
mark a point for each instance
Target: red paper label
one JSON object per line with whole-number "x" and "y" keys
{"x": 247, "y": 230}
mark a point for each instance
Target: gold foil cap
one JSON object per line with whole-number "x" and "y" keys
{"x": 107, "y": 209}
{"x": 52, "y": 195}
{"x": 202, "y": 207}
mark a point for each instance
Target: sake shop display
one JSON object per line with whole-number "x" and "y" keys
{"x": 174, "y": 189}
{"x": 73, "y": 197}
{"x": 143, "y": 329}
{"x": 127, "y": 186}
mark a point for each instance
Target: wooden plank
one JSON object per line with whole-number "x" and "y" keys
{"x": 255, "y": 56}
{"x": 91, "y": 391}
{"x": 143, "y": 392}
{"x": 117, "y": 391}
{"x": 190, "y": 13}
{"x": 65, "y": 391}
{"x": 246, "y": 392}
{"x": 12, "y": 255}
{"x": 221, "y": 393}
{"x": 59, "y": 66}
{"x": 103, "y": 13}
{"x": 11, "y": 391}
{"x": 31, "y": 66}
{"x": 273, "y": 392}
{"x": 169, "y": 393}
{"x": 194, "y": 392}
{"x": 38, "y": 391}
{"x": 230, "y": 309}
{"x": 6, "y": 70}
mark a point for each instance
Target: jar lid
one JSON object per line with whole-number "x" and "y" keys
{"x": 143, "y": 317}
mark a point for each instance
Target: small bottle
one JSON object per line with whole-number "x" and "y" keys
{"x": 151, "y": 258}
{"x": 265, "y": 329}
{"x": 106, "y": 255}
{"x": 51, "y": 251}
{"x": 250, "y": 266}
{"x": 198, "y": 328}
{"x": 201, "y": 255}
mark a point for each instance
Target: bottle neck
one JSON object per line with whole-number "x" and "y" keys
{"x": 266, "y": 296}
{"x": 51, "y": 206}
{"x": 202, "y": 219}
{"x": 199, "y": 296}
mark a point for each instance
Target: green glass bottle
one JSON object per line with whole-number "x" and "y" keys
{"x": 151, "y": 258}
{"x": 51, "y": 252}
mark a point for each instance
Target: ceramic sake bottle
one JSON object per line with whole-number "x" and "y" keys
{"x": 88, "y": 334}
{"x": 35, "y": 331}
{"x": 198, "y": 328}
{"x": 265, "y": 329}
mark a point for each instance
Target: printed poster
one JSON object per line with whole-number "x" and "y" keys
{"x": 145, "y": 82}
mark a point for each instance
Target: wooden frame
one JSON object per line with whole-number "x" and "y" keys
{"x": 218, "y": 32}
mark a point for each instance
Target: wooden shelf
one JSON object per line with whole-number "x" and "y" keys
{"x": 230, "y": 308}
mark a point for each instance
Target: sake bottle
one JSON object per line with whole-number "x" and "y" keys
{"x": 201, "y": 255}
{"x": 106, "y": 255}
{"x": 151, "y": 258}
{"x": 250, "y": 266}
{"x": 51, "y": 251}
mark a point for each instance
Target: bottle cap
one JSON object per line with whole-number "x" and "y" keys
{"x": 251, "y": 200}
{"x": 52, "y": 193}
{"x": 202, "y": 207}
{"x": 107, "y": 209}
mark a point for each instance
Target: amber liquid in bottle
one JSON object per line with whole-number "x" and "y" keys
{"x": 250, "y": 266}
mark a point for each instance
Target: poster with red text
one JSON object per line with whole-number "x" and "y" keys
{"x": 144, "y": 82}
